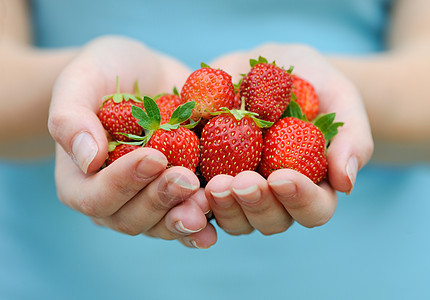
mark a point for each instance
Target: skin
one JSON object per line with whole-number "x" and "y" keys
{"x": 170, "y": 201}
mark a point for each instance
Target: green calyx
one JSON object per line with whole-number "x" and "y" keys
{"x": 260, "y": 60}
{"x": 263, "y": 60}
{"x": 118, "y": 97}
{"x": 175, "y": 92}
{"x": 150, "y": 119}
{"x": 240, "y": 113}
{"x": 325, "y": 123}
{"x": 328, "y": 127}
{"x": 204, "y": 65}
{"x": 112, "y": 145}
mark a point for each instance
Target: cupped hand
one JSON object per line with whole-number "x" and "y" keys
{"x": 248, "y": 201}
{"x": 135, "y": 194}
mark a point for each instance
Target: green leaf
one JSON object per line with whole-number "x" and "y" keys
{"x": 293, "y": 96}
{"x": 294, "y": 110}
{"x": 117, "y": 98}
{"x": 169, "y": 127}
{"x": 203, "y": 65}
{"x": 323, "y": 122}
{"x": 146, "y": 121}
{"x": 133, "y": 98}
{"x": 237, "y": 114}
{"x": 332, "y": 131}
{"x": 262, "y": 123}
{"x": 253, "y": 62}
{"x": 182, "y": 113}
{"x": 112, "y": 145}
{"x": 137, "y": 143}
{"x": 290, "y": 70}
{"x": 175, "y": 91}
{"x": 262, "y": 60}
{"x": 327, "y": 127}
{"x": 153, "y": 112}
{"x": 192, "y": 124}
{"x": 237, "y": 85}
{"x": 133, "y": 136}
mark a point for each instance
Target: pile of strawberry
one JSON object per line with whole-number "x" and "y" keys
{"x": 268, "y": 121}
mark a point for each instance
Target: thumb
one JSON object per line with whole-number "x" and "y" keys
{"x": 74, "y": 124}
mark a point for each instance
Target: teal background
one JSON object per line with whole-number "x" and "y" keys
{"x": 375, "y": 247}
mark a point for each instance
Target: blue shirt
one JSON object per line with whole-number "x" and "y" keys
{"x": 375, "y": 246}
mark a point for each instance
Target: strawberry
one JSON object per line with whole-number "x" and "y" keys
{"x": 211, "y": 89}
{"x": 230, "y": 143}
{"x": 305, "y": 96}
{"x": 266, "y": 89}
{"x": 178, "y": 143}
{"x": 180, "y": 146}
{"x": 117, "y": 150}
{"x": 167, "y": 103}
{"x": 116, "y": 114}
{"x": 297, "y": 144}
{"x": 237, "y": 101}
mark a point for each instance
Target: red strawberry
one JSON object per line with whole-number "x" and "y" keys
{"x": 237, "y": 101}
{"x": 266, "y": 89}
{"x": 297, "y": 144}
{"x": 305, "y": 96}
{"x": 231, "y": 143}
{"x": 211, "y": 89}
{"x": 167, "y": 103}
{"x": 116, "y": 116}
{"x": 117, "y": 150}
{"x": 179, "y": 144}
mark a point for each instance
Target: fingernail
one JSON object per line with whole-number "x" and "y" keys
{"x": 84, "y": 149}
{"x": 284, "y": 188}
{"x": 222, "y": 199}
{"x": 351, "y": 171}
{"x": 185, "y": 185}
{"x": 182, "y": 229}
{"x": 249, "y": 195}
{"x": 178, "y": 190}
{"x": 192, "y": 243}
{"x": 150, "y": 166}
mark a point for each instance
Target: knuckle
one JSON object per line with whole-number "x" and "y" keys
{"x": 278, "y": 228}
{"x": 90, "y": 208}
{"x": 124, "y": 226}
{"x": 169, "y": 236}
{"x": 123, "y": 186}
{"x": 164, "y": 202}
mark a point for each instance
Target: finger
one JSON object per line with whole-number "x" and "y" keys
{"x": 258, "y": 203}
{"x": 309, "y": 204}
{"x": 151, "y": 204}
{"x": 78, "y": 93}
{"x": 203, "y": 239}
{"x": 353, "y": 146}
{"x": 201, "y": 200}
{"x": 184, "y": 219}
{"x": 103, "y": 193}
{"x": 73, "y": 120}
{"x": 228, "y": 213}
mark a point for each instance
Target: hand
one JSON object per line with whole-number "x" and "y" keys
{"x": 248, "y": 201}
{"x": 136, "y": 194}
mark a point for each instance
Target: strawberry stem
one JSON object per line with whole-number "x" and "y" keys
{"x": 117, "y": 85}
{"x": 150, "y": 118}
